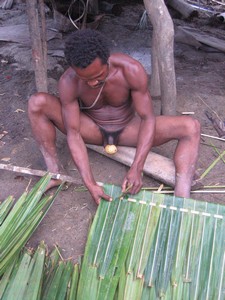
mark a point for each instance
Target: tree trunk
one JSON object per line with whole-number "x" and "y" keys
{"x": 155, "y": 80}
{"x": 37, "y": 27}
{"x": 163, "y": 55}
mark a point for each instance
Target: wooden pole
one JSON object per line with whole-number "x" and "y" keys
{"x": 155, "y": 80}
{"x": 39, "y": 173}
{"x": 43, "y": 33}
{"x": 37, "y": 27}
{"x": 163, "y": 41}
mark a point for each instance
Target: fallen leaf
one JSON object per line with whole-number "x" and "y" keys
{"x": 6, "y": 159}
{"x": 3, "y": 61}
{"x": 3, "y": 134}
{"x": 19, "y": 110}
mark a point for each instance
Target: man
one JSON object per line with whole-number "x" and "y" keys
{"x": 102, "y": 94}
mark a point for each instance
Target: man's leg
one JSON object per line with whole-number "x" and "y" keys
{"x": 44, "y": 111}
{"x": 186, "y": 131}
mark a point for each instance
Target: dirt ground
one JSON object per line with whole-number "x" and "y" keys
{"x": 200, "y": 87}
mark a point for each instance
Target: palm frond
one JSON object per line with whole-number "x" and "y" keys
{"x": 154, "y": 246}
{"x": 142, "y": 247}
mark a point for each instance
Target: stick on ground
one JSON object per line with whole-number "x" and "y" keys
{"x": 39, "y": 173}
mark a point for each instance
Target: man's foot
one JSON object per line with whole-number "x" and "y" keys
{"x": 196, "y": 183}
{"x": 53, "y": 183}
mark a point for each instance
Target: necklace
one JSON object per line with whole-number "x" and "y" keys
{"x": 96, "y": 99}
{"x": 99, "y": 94}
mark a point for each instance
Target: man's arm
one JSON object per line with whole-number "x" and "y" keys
{"x": 137, "y": 79}
{"x": 71, "y": 119}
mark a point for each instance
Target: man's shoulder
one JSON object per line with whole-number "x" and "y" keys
{"x": 121, "y": 58}
{"x": 127, "y": 63}
{"x": 68, "y": 75}
{"x": 67, "y": 83}
{"x": 132, "y": 70}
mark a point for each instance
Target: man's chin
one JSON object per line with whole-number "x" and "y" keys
{"x": 98, "y": 85}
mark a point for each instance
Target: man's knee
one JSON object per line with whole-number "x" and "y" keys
{"x": 37, "y": 102}
{"x": 193, "y": 128}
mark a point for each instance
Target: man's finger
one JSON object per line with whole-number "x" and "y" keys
{"x": 130, "y": 187}
{"x": 124, "y": 186}
{"x": 97, "y": 201}
{"x": 106, "y": 197}
{"x": 136, "y": 189}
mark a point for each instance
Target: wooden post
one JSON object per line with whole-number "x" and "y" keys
{"x": 37, "y": 27}
{"x": 163, "y": 43}
{"x": 155, "y": 80}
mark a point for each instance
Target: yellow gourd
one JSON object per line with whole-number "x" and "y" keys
{"x": 110, "y": 149}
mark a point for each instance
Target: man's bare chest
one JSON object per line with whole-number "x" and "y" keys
{"x": 104, "y": 95}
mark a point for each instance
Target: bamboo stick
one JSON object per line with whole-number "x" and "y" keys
{"x": 195, "y": 192}
{"x": 217, "y": 151}
{"x": 39, "y": 173}
{"x": 213, "y": 137}
{"x": 212, "y": 165}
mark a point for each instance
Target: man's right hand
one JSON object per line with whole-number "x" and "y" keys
{"x": 97, "y": 193}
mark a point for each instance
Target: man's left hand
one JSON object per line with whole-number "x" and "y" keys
{"x": 132, "y": 182}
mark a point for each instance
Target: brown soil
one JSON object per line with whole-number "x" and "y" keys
{"x": 200, "y": 81}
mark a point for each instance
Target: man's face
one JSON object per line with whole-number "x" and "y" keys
{"x": 95, "y": 74}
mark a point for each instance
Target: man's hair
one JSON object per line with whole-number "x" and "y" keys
{"x": 84, "y": 46}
